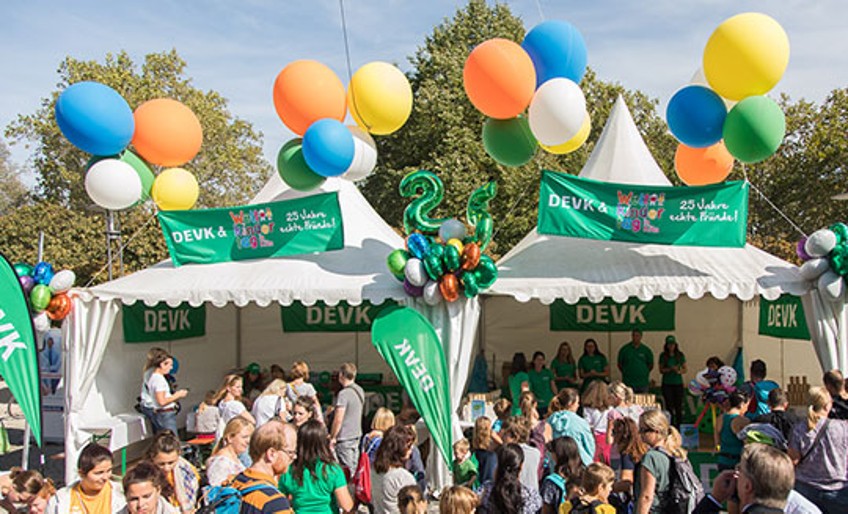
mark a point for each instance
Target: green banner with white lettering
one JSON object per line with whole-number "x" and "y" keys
{"x": 783, "y": 318}
{"x": 715, "y": 215}
{"x": 321, "y": 317}
{"x": 291, "y": 227}
{"x": 18, "y": 360}
{"x": 143, "y": 324}
{"x": 609, "y": 316}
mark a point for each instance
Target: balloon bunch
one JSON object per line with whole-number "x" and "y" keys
{"x": 502, "y": 79}
{"x": 47, "y": 292}
{"x": 164, "y": 132}
{"x": 745, "y": 57}
{"x": 713, "y": 386}
{"x": 825, "y": 256}
{"x": 442, "y": 259}
{"x": 311, "y": 101}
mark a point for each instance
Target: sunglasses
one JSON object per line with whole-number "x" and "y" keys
{"x": 645, "y": 430}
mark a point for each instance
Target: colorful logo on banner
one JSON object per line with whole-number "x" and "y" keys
{"x": 143, "y": 324}
{"x": 783, "y": 318}
{"x": 321, "y": 317}
{"x": 609, "y": 316}
{"x": 291, "y": 227}
{"x": 715, "y": 215}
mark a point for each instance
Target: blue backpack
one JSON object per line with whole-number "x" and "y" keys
{"x": 226, "y": 499}
{"x": 558, "y": 481}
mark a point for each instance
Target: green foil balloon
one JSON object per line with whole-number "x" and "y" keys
{"x": 839, "y": 259}
{"x": 486, "y": 272}
{"x": 509, "y": 142}
{"x": 754, "y": 129}
{"x": 292, "y": 167}
{"x": 841, "y": 231}
{"x": 23, "y": 269}
{"x": 396, "y": 262}
{"x": 40, "y": 297}
{"x": 433, "y": 266}
{"x": 477, "y": 213}
{"x": 430, "y": 191}
{"x": 470, "y": 287}
{"x": 451, "y": 259}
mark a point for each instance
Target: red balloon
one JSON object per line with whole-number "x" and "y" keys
{"x": 59, "y": 307}
{"x": 470, "y": 256}
{"x": 449, "y": 287}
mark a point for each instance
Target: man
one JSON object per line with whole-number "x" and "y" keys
{"x": 272, "y": 448}
{"x": 835, "y": 385}
{"x": 759, "y": 389}
{"x": 347, "y": 418}
{"x": 778, "y": 417}
{"x": 635, "y": 361}
{"x": 50, "y": 362}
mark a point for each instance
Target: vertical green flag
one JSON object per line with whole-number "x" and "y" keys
{"x": 410, "y": 346}
{"x": 18, "y": 362}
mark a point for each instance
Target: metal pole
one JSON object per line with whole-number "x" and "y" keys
{"x": 27, "y": 428}
{"x": 238, "y": 336}
{"x": 109, "y": 221}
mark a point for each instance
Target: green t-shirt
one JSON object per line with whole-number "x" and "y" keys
{"x": 564, "y": 372}
{"x": 672, "y": 361}
{"x": 515, "y": 390}
{"x": 635, "y": 365}
{"x": 464, "y": 471}
{"x": 596, "y": 362}
{"x": 317, "y": 493}
{"x": 659, "y": 466}
{"x": 540, "y": 385}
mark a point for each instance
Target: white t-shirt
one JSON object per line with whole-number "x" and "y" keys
{"x": 230, "y": 409}
{"x": 385, "y": 488}
{"x": 267, "y": 407}
{"x": 155, "y": 384}
{"x": 529, "y": 476}
{"x": 597, "y": 419}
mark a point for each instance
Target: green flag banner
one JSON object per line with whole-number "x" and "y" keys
{"x": 410, "y": 346}
{"x": 291, "y": 227}
{"x": 783, "y": 318}
{"x": 18, "y": 358}
{"x": 609, "y": 316}
{"x": 321, "y": 317}
{"x": 715, "y": 215}
{"x": 143, "y": 324}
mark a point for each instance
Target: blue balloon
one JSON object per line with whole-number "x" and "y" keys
{"x": 176, "y": 366}
{"x": 95, "y": 118}
{"x": 557, "y": 49}
{"x": 418, "y": 245}
{"x": 695, "y": 116}
{"x": 328, "y": 147}
{"x": 42, "y": 273}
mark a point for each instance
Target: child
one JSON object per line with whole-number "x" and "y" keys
{"x": 503, "y": 410}
{"x": 464, "y": 468}
{"x": 206, "y": 421}
{"x": 457, "y": 500}
{"x": 483, "y": 450}
{"x": 411, "y": 501}
{"x": 565, "y": 479}
{"x": 596, "y": 410}
{"x": 597, "y": 484}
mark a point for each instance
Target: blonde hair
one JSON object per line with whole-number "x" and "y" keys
{"x": 817, "y": 410}
{"x": 228, "y": 382}
{"x": 384, "y": 419}
{"x": 234, "y": 426}
{"x": 482, "y": 433}
{"x": 618, "y": 390}
{"x": 596, "y": 396}
{"x": 674, "y": 443}
{"x": 277, "y": 387}
{"x": 462, "y": 445}
{"x": 597, "y": 474}
{"x": 458, "y": 500}
{"x": 656, "y": 421}
{"x": 299, "y": 369}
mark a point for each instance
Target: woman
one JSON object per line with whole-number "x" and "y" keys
{"x": 143, "y": 485}
{"x": 818, "y": 449}
{"x": 482, "y": 445}
{"x": 565, "y": 422}
{"x": 593, "y": 365}
{"x": 506, "y": 494}
{"x": 229, "y": 401}
{"x": 596, "y": 409}
{"x": 729, "y": 424}
{"x": 224, "y": 462}
{"x": 564, "y": 367}
{"x": 518, "y": 381}
{"x": 271, "y": 403}
{"x": 303, "y": 410}
{"x": 383, "y": 420}
{"x": 388, "y": 475}
{"x": 652, "y": 480}
{"x": 631, "y": 448}
{"x": 314, "y": 481}
{"x": 672, "y": 367}
{"x": 253, "y": 383}
{"x": 182, "y": 482}
{"x": 564, "y": 481}
{"x": 157, "y": 402}
{"x": 299, "y": 387}
{"x": 541, "y": 381}
{"x": 530, "y": 412}
{"x": 94, "y": 493}
{"x": 19, "y": 486}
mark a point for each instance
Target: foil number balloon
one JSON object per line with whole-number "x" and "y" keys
{"x": 416, "y": 216}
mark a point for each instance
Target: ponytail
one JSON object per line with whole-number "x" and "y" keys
{"x": 506, "y": 490}
{"x": 817, "y": 410}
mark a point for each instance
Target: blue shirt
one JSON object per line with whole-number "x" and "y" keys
{"x": 567, "y": 423}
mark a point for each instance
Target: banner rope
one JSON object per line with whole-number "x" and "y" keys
{"x": 773, "y": 206}
{"x": 514, "y": 205}
{"x": 122, "y": 248}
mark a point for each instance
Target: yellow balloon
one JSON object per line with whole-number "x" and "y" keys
{"x": 456, "y": 243}
{"x": 380, "y": 98}
{"x": 575, "y": 142}
{"x": 175, "y": 189}
{"x": 746, "y": 56}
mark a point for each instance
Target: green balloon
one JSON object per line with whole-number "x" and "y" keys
{"x": 839, "y": 259}
{"x": 451, "y": 259}
{"x": 396, "y": 262}
{"x": 40, "y": 297}
{"x": 428, "y": 192}
{"x": 293, "y": 169}
{"x": 433, "y": 266}
{"x": 477, "y": 213}
{"x": 138, "y": 164}
{"x": 509, "y": 142}
{"x": 470, "y": 287}
{"x": 23, "y": 269}
{"x": 754, "y": 129}
{"x": 841, "y": 231}
{"x": 486, "y": 272}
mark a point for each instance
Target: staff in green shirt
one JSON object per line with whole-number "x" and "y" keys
{"x": 636, "y": 361}
{"x": 518, "y": 381}
{"x": 672, "y": 366}
{"x": 564, "y": 367}
{"x": 541, "y": 382}
{"x": 593, "y": 364}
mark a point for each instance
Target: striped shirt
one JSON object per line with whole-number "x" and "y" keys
{"x": 265, "y": 500}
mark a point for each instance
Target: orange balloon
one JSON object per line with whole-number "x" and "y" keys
{"x": 703, "y": 166}
{"x": 499, "y": 78}
{"x": 306, "y": 91}
{"x": 59, "y": 307}
{"x": 167, "y": 133}
{"x": 449, "y": 287}
{"x": 470, "y": 256}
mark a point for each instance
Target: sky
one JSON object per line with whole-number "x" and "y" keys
{"x": 238, "y": 47}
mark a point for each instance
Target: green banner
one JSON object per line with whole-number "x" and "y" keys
{"x": 18, "y": 358}
{"x": 291, "y": 227}
{"x": 715, "y": 215}
{"x": 609, "y": 316}
{"x": 410, "y": 346}
{"x": 783, "y": 318}
{"x": 321, "y": 317}
{"x": 143, "y": 324}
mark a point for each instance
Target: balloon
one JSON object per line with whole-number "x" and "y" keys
{"x": 746, "y": 56}
{"x": 452, "y": 229}
{"x": 702, "y": 166}
{"x": 27, "y": 283}
{"x": 557, "y": 111}
{"x": 62, "y": 281}
{"x": 701, "y": 378}
{"x": 486, "y": 271}
{"x": 452, "y": 257}
{"x": 433, "y": 266}
{"x": 42, "y": 273}
{"x": 557, "y": 49}
{"x": 418, "y": 245}
{"x": 830, "y": 284}
{"x": 306, "y": 91}
{"x": 364, "y": 155}
{"x": 469, "y": 284}
{"x": 499, "y": 78}
{"x": 39, "y": 297}
{"x": 814, "y": 268}
{"x": 175, "y": 189}
{"x": 432, "y": 295}
{"x": 430, "y": 189}
{"x": 841, "y": 231}
{"x": 477, "y": 212}
{"x": 95, "y": 118}
{"x": 839, "y": 260}
{"x": 509, "y": 142}
{"x": 59, "y": 307}
{"x": 411, "y": 289}
{"x": 293, "y": 169}
{"x": 456, "y": 243}
{"x": 328, "y": 147}
{"x": 113, "y": 184}
{"x": 379, "y": 97}
{"x": 167, "y": 132}
{"x": 175, "y": 367}
{"x": 449, "y": 287}
{"x": 695, "y": 116}
{"x": 695, "y": 388}
{"x": 40, "y": 322}
{"x": 470, "y": 256}
{"x": 754, "y": 129}
{"x": 22, "y": 268}
{"x": 820, "y": 243}
{"x": 396, "y": 262}
{"x": 415, "y": 273}
{"x": 727, "y": 376}
{"x": 800, "y": 251}
{"x": 141, "y": 168}
{"x": 575, "y": 142}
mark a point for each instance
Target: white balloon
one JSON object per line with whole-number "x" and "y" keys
{"x": 113, "y": 184}
{"x": 702, "y": 379}
{"x": 814, "y": 268}
{"x": 432, "y": 295}
{"x": 727, "y": 375}
{"x": 364, "y": 155}
{"x": 40, "y": 322}
{"x": 62, "y": 281}
{"x": 415, "y": 272}
{"x": 820, "y": 243}
{"x": 831, "y": 285}
{"x": 557, "y": 111}
{"x": 452, "y": 229}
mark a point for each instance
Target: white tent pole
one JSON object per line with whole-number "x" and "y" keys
{"x": 238, "y": 336}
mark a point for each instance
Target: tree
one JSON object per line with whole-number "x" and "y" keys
{"x": 13, "y": 193}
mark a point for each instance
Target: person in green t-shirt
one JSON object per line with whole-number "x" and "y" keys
{"x": 635, "y": 360}
{"x": 541, "y": 382}
{"x": 464, "y": 466}
{"x": 672, "y": 364}
{"x": 518, "y": 381}
{"x": 593, "y": 365}
{"x": 564, "y": 367}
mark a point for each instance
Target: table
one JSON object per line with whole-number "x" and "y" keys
{"x": 121, "y": 430}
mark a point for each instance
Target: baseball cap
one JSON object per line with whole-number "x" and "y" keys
{"x": 253, "y": 367}
{"x": 670, "y": 339}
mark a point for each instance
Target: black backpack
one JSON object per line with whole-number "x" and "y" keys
{"x": 578, "y": 506}
{"x": 684, "y": 488}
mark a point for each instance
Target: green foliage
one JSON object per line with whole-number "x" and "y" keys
{"x": 13, "y": 193}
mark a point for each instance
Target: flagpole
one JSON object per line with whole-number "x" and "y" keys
{"x": 27, "y": 428}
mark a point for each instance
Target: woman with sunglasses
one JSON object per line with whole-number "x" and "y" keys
{"x": 652, "y": 481}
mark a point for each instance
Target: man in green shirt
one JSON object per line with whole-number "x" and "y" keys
{"x": 636, "y": 361}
